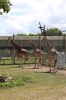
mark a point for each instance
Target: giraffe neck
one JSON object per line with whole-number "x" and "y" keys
{"x": 48, "y": 45}
{"x": 33, "y": 46}
{"x": 15, "y": 45}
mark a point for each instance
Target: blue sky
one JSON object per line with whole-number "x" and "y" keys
{"x": 25, "y": 15}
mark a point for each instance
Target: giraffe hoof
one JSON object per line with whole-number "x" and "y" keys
{"x": 49, "y": 70}
{"x": 34, "y": 67}
{"x": 38, "y": 68}
{"x": 19, "y": 66}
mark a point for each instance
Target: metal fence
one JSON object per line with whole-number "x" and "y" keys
{"x": 6, "y": 48}
{"x": 7, "y": 59}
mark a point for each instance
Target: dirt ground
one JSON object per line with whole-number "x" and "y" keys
{"x": 46, "y": 69}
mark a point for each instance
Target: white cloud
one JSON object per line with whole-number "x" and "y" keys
{"x": 25, "y": 16}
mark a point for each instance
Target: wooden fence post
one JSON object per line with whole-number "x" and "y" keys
{"x": 13, "y": 52}
{"x": 65, "y": 46}
{"x": 64, "y": 43}
{"x": 39, "y": 43}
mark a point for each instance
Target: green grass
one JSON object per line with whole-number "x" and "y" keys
{"x": 31, "y": 84}
{"x": 21, "y": 75}
{"x": 8, "y": 61}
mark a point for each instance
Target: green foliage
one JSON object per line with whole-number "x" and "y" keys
{"x": 5, "y": 6}
{"x": 38, "y": 34}
{"x": 53, "y": 32}
{"x": 30, "y": 34}
{"x": 49, "y": 32}
{"x": 17, "y": 81}
{"x": 23, "y": 34}
{"x": 27, "y": 77}
{"x": 64, "y": 34}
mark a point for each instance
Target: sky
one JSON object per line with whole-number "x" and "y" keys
{"x": 25, "y": 15}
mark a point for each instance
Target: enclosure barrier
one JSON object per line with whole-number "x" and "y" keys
{"x": 61, "y": 60}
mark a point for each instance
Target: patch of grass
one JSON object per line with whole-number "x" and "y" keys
{"x": 48, "y": 79}
{"x": 21, "y": 77}
{"x": 8, "y": 61}
{"x": 30, "y": 84}
{"x": 17, "y": 81}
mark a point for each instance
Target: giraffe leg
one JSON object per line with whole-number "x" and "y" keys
{"x": 19, "y": 62}
{"x": 35, "y": 62}
{"x": 41, "y": 62}
{"x": 55, "y": 65}
{"x": 28, "y": 62}
{"x": 50, "y": 66}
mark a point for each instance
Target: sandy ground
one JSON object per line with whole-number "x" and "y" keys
{"x": 46, "y": 69}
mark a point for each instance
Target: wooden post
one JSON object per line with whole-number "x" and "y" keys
{"x": 13, "y": 52}
{"x": 64, "y": 43}
{"x": 65, "y": 46}
{"x": 43, "y": 33}
{"x": 39, "y": 43}
{"x": 43, "y": 59}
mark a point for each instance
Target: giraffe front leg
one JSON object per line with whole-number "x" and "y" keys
{"x": 55, "y": 62}
{"x": 27, "y": 59}
{"x": 41, "y": 62}
{"x": 18, "y": 62}
{"x": 35, "y": 62}
{"x": 50, "y": 67}
{"x": 28, "y": 62}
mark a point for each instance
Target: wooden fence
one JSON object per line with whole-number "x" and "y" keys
{"x": 58, "y": 42}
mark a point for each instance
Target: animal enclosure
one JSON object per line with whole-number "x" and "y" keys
{"x": 58, "y": 42}
{"x": 8, "y": 60}
{"x": 7, "y": 51}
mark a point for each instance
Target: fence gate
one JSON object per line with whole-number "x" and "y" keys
{"x": 61, "y": 60}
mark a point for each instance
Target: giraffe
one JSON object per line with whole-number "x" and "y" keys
{"x": 20, "y": 51}
{"x": 52, "y": 54}
{"x": 37, "y": 54}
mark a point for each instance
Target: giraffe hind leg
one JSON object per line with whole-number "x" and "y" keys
{"x": 55, "y": 65}
{"x": 27, "y": 59}
{"x": 50, "y": 66}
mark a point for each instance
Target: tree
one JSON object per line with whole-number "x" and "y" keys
{"x": 5, "y": 6}
{"x": 48, "y": 32}
{"x": 31, "y": 34}
{"x": 23, "y": 34}
{"x": 53, "y": 32}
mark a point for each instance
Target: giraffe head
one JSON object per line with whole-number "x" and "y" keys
{"x": 44, "y": 38}
{"x": 9, "y": 38}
